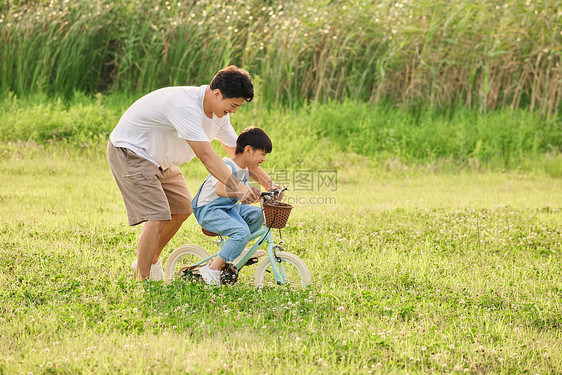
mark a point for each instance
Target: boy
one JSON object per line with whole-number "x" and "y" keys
{"x": 216, "y": 207}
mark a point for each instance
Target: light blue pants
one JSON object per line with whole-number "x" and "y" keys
{"x": 236, "y": 222}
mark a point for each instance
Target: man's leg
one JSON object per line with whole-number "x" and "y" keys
{"x": 139, "y": 182}
{"x": 179, "y": 200}
{"x": 147, "y": 246}
{"x": 168, "y": 231}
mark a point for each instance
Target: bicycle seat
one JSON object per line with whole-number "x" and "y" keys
{"x": 209, "y": 233}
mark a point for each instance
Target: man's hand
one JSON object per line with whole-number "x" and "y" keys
{"x": 273, "y": 186}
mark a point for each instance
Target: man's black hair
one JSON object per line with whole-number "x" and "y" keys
{"x": 234, "y": 82}
{"x": 254, "y": 137}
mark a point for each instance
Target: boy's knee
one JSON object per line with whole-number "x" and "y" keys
{"x": 256, "y": 222}
{"x": 255, "y": 216}
{"x": 260, "y": 220}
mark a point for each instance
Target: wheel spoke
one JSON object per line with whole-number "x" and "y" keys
{"x": 183, "y": 256}
{"x": 293, "y": 270}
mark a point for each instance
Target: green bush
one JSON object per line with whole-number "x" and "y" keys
{"x": 331, "y": 134}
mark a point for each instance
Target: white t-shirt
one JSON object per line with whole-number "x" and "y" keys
{"x": 208, "y": 191}
{"x": 157, "y": 125}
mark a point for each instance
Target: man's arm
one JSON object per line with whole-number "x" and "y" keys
{"x": 257, "y": 174}
{"x": 231, "y": 151}
{"x": 216, "y": 166}
{"x": 223, "y": 191}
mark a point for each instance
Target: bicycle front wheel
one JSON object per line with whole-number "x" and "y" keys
{"x": 185, "y": 255}
{"x": 294, "y": 270}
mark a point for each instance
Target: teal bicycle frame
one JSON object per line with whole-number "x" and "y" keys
{"x": 264, "y": 234}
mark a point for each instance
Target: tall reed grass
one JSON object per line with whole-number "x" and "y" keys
{"x": 483, "y": 54}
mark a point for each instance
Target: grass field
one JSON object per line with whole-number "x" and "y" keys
{"x": 414, "y": 271}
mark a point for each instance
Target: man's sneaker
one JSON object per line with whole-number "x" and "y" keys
{"x": 156, "y": 270}
{"x": 211, "y": 277}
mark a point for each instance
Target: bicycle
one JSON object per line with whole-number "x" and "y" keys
{"x": 279, "y": 267}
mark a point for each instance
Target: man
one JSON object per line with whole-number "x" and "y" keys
{"x": 159, "y": 132}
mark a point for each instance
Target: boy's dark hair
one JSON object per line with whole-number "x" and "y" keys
{"x": 234, "y": 83}
{"x": 254, "y": 137}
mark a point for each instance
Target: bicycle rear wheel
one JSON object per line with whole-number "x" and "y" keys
{"x": 183, "y": 256}
{"x": 297, "y": 273}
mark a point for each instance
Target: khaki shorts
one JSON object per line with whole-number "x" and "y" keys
{"x": 149, "y": 192}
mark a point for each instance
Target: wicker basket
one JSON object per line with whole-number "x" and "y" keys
{"x": 276, "y": 214}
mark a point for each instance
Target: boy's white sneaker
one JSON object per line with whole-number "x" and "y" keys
{"x": 211, "y": 277}
{"x": 156, "y": 270}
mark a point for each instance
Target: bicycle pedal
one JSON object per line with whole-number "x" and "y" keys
{"x": 251, "y": 261}
{"x": 190, "y": 273}
{"x": 229, "y": 276}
